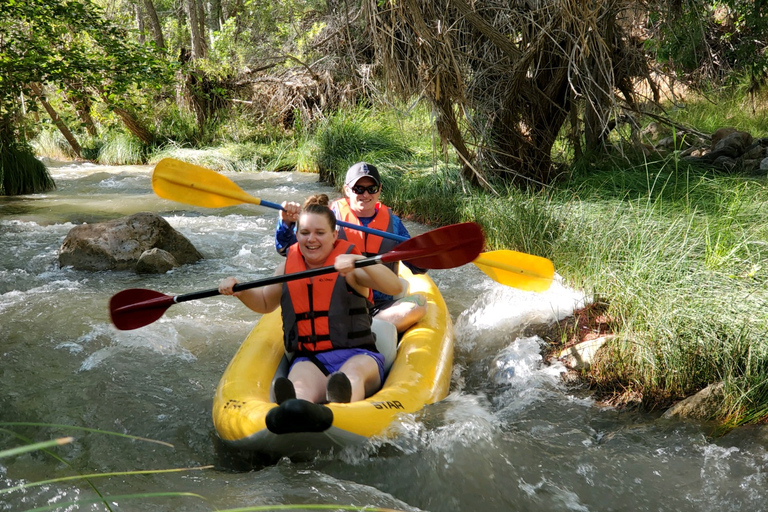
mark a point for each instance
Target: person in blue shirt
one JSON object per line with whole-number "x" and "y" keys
{"x": 361, "y": 205}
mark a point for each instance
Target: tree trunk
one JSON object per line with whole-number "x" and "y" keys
{"x": 196, "y": 37}
{"x": 154, "y": 23}
{"x": 134, "y": 125}
{"x": 449, "y": 132}
{"x": 37, "y": 90}
{"x": 195, "y": 27}
{"x": 81, "y": 102}
{"x": 215, "y": 18}
{"x": 139, "y": 22}
{"x": 130, "y": 121}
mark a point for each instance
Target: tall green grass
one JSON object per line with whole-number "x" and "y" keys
{"x": 727, "y": 107}
{"x": 52, "y": 144}
{"x": 120, "y": 148}
{"x": 22, "y": 173}
{"x": 352, "y": 136}
{"x": 679, "y": 253}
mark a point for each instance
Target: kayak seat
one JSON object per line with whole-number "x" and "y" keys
{"x": 386, "y": 341}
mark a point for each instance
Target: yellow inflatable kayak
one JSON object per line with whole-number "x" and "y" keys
{"x": 246, "y": 417}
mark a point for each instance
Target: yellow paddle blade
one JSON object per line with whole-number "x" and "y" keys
{"x": 197, "y": 186}
{"x": 517, "y": 269}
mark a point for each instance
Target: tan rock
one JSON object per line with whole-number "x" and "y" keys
{"x": 155, "y": 261}
{"x": 581, "y": 355}
{"x": 118, "y": 244}
{"x": 701, "y": 406}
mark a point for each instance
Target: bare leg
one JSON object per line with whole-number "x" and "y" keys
{"x": 308, "y": 381}
{"x": 405, "y": 312}
{"x": 363, "y": 374}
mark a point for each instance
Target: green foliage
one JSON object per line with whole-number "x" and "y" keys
{"x": 351, "y": 136}
{"x": 52, "y": 144}
{"x": 120, "y": 148}
{"x": 173, "y": 124}
{"x": 712, "y": 39}
{"x": 62, "y": 41}
{"x": 683, "y": 36}
{"x": 21, "y": 172}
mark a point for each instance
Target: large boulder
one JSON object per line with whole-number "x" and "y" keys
{"x": 119, "y": 244}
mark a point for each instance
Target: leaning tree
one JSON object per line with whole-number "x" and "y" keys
{"x": 505, "y": 77}
{"x": 70, "y": 46}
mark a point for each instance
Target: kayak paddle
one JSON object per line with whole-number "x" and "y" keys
{"x": 446, "y": 247}
{"x": 197, "y": 186}
{"x": 528, "y": 272}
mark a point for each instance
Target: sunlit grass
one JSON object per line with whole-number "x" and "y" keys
{"x": 724, "y": 108}
{"x": 352, "y": 136}
{"x": 679, "y": 253}
{"x": 120, "y": 148}
{"x": 51, "y": 143}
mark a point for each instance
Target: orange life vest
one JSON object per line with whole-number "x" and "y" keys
{"x": 367, "y": 244}
{"x": 322, "y": 312}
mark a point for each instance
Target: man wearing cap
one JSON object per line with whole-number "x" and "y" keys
{"x": 360, "y": 205}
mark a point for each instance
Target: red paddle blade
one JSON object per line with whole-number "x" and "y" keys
{"x": 447, "y": 247}
{"x": 137, "y": 307}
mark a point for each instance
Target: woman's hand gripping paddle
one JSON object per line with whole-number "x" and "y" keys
{"x": 194, "y": 185}
{"x": 446, "y": 247}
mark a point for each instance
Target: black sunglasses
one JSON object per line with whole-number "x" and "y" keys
{"x": 359, "y": 189}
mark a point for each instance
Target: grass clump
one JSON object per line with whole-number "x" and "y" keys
{"x": 679, "y": 253}
{"x": 52, "y": 144}
{"x": 353, "y": 136}
{"x": 120, "y": 148}
{"x": 681, "y": 261}
{"x": 21, "y": 172}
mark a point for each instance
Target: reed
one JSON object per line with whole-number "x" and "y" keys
{"x": 22, "y": 173}
{"x": 106, "y": 501}
{"x": 352, "y": 136}
{"x": 52, "y": 144}
{"x": 120, "y": 148}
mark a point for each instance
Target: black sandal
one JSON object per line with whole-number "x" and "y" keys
{"x": 283, "y": 390}
{"x": 339, "y": 389}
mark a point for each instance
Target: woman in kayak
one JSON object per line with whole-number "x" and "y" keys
{"x": 361, "y": 206}
{"x": 326, "y": 322}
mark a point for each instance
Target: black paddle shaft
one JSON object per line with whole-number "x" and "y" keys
{"x": 365, "y": 262}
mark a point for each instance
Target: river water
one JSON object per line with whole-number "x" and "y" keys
{"x": 510, "y": 437}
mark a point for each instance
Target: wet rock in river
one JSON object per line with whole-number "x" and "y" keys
{"x": 119, "y": 245}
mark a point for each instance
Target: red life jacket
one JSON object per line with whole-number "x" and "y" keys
{"x": 367, "y": 244}
{"x": 322, "y": 312}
